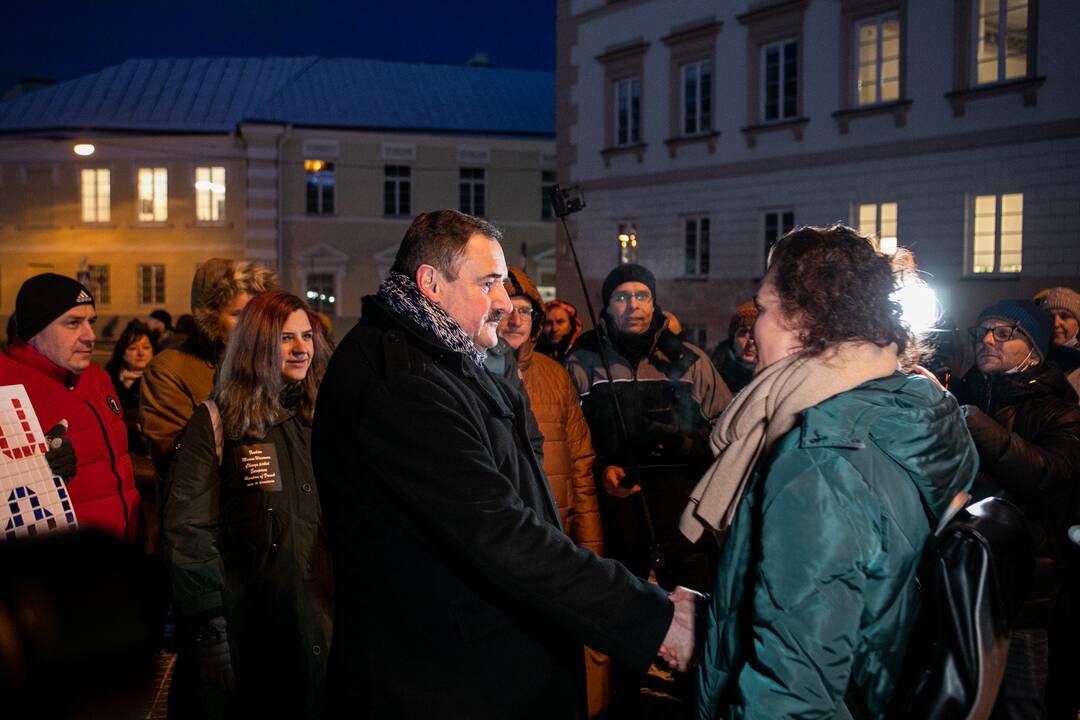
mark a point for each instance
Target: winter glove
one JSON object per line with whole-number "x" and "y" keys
{"x": 215, "y": 661}
{"x": 60, "y": 453}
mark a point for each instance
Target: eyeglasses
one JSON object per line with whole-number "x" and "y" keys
{"x": 642, "y": 296}
{"x": 524, "y": 310}
{"x": 1001, "y": 333}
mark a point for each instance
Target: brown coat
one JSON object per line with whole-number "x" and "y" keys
{"x": 173, "y": 385}
{"x": 568, "y": 452}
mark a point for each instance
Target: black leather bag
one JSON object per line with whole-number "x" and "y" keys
{"x": 974, "y": 576}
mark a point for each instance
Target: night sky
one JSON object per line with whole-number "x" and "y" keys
{"x": 60, "y": 39}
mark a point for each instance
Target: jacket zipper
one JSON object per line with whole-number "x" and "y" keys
{"x": 112, "y": 465}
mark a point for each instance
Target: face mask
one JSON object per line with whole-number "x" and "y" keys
{"x": 1022, "y": 365}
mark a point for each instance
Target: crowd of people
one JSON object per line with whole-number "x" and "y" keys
{"x": 475, "y": 507}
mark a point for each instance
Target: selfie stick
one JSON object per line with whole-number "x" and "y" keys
{"x": 564, "y": 204}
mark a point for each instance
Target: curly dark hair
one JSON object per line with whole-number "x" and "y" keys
{"x": 839, "y": 287}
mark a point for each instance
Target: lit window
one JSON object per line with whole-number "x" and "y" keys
{"x": 321, "y": 180}
{"x": 320, "y": 292}
{"x": 780, "y": 81}
{"x": 153, "y": 194}
{"x": 628, "y": 111}
{"x": 210, "y": 194}
{"x": 777, "y": 224}
{"x": 151, "y": 284}
{"x": 628, "y": 243}
{"x": 1001, "y": 40}
{"x": 697, "y": 97}
{"x": 877, "y": 77}
{"x": 879, "y": 220}
{"x": 98, "y": 282}
{"x": 471, "y": 191}
{"x": 997, "y": 236}
{"x": 547, "y": 184}
{"x": 397, "y": 190}
{"x": 697, "y": 246}
{"x": 95, "y": 195}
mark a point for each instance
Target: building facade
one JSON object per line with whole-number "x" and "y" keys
{"x": 700, "y": 132}
{"x": 313, "y": 166}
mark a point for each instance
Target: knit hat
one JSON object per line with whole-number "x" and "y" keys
{"x": 518, "y": 283}
{"x": 630, "y": 272}
{"x": 1034, "y": 321}
{"x": 1060, "y": 298}
{"x": 45, "y": 297}
{"x": 744, "y": 317}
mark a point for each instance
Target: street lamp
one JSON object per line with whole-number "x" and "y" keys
{"x": 83, "y": 149}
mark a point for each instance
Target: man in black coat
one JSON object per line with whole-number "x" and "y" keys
{"x": 1024, "y": 419}
{"x": 457, "y": 594}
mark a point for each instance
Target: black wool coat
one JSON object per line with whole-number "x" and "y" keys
{"x": 457, "y": 593}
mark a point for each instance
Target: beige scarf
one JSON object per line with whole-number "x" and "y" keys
{"x": 763, "y": 412}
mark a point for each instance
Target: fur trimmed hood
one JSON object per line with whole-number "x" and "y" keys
{"x": 217, "y": 281}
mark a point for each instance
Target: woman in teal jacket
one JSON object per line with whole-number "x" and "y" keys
{"x": 825, "y": 462}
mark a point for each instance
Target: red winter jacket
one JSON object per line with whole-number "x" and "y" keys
{"x": 103, "y": 489}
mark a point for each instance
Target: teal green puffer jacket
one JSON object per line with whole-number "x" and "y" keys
{"x": 816, "y": 580}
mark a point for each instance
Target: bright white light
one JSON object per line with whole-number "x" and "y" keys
{"x": 921, "y": 309}
{"x": 84, "y": 149}
{"x": 312, "y": 294}
{"x": 330, "y": 299}
{"x": 211, "y": 186}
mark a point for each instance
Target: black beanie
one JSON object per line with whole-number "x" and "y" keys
{"x": 629, "y": 272}
{"x": 45, "y": 297}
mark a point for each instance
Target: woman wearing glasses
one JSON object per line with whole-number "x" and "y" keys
{"x": 825, "y": 461}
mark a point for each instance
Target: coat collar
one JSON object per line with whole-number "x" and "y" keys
{"x": 24, "y": 353}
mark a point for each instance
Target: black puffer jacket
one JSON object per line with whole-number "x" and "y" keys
{"x": 1027, "y": 432}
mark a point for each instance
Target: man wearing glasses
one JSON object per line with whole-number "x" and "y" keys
{"x": 669, "y": 394}
{"x": 1024, "y": 419}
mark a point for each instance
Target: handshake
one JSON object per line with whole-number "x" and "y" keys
{"x": 680, "y": 645}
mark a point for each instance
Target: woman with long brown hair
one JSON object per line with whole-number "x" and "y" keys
{"x": 243, "y": 529}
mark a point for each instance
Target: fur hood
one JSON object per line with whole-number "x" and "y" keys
{"x": 217, "y": 281}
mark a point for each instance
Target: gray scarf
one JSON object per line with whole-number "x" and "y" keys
{"x": 400, "y": 293}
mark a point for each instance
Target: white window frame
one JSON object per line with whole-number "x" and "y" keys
{"x": 1002, "y": 224}
{"x": 626, "y": 242}
{"x": 870, "y": 218}
{"x": 1001, "y": 54}
{"x": 96, "y": 197}
{"x": 779, "y": 231}
{"x": 210, "y": 189}
{"x": 471, "y": 179}
{"x": 782, "y": 115}
{"x": 326, "y": 172}
{"x": 393, "y": 183}
{"x": 100, "y": 283}
{"x": 701, "y": 120}
{"x": 152, "y": 191}
{"x": 696, "y": 247}
{"x": 879, "y": 59}
{"x": 156, "y": 288}
{"x": 631, "y": 133}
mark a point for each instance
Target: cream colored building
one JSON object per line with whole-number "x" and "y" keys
{"x": 313, "y": 166}
{"x": 701, "y": 131}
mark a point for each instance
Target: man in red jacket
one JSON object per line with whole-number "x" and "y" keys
{"x": 50, "y": 357}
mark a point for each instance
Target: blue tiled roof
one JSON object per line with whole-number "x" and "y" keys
{"x": 216, "y": 94}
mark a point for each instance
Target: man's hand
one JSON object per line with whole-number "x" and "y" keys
{"x": 680, "y": 643}
{"x": 60, "y": 453}
{"x": 215, "y": 661}
{"x": 613, "y": 475}
{"x": 920, "y": 370}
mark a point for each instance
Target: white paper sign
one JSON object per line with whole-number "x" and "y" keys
{"x": 34, "y": 500}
